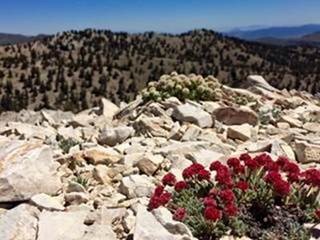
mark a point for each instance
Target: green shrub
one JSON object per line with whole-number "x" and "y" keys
{"x": 66, "y": 144}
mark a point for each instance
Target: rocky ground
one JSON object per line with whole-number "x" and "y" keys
{"x": 89, "y": 175}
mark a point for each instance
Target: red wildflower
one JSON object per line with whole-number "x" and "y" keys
{"x": 227, "y": 195}
{"x": 169, "y": 179}
{"x": 209, "y": 202}
{"x": 233, "y": 162}
{"x": 317, "y": 213}
{"x": 223, "y": 177}
{"x": 239, "y": 169}
{"x": 188, "y": 173}
{"x": 165, "y": 198}
{"x": 293, "y": 177}
{"x": 179, "y": 186}
{"x": 196, "y": 167}
{"x": 204, "y": 175}
{"x": 180, "y": 214}
{"x": 282, "y": 161}
{"x": 216, "y": 165}
{"x": 272, "y": 176}
{"x": 271, "y": 165}
{"x": 159, "y": 190}
{"x": 251, "y": 163}
{"x": 212, "y": 213}
{"x": 245, "y": 157}
{"x": 262, "y": 159}
{"x": 291, "y": 167}
{"x": 281, "y": 187}
{"x": 230, "y": 210}
{"x": 236, "y": 166}
{"x": 242, "y": 185}
{"x": 312, "y": 176}
{"x": 159, "y": 198}
{"x": 192, "y": 170}
{"x": 154, "y": 203}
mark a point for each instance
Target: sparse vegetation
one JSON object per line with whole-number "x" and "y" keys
{"x": 66, "y": 144}
{"x": 82, "y": 181}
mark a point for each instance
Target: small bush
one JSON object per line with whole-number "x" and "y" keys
{"x": 267, "y": 116}
{"x": 66, "y": 144}
{"x": 183, "y": 87}
{"x": 255, "y": 197}
{"x": 82, "y": 181}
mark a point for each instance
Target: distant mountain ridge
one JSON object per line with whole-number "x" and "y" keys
{"x": 9, "y": 38}
{"x": 276, "y": 32}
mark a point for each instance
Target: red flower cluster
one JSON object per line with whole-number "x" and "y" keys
{"x": 169, "y": 179}
{"x": 209, "y": 202}
{"x": 242, "y": 185}
{"x": 219, "y": 203}
{"x": 179, "y": 186}
{"x": 239, "y": 177}
{"x": 312, "y": 177}
{"x": 159, "y": 198}
{"x": 180, "y": 214}
{"x": 212, "y": 214}
{"x": 196, "y": 170}
{"x": 280, "y": 186}
{"x": 227, "y": 196}
{"x": 231, "y": 210}
{"x": 223, "y": 175}
{"x": 235, "y": 165}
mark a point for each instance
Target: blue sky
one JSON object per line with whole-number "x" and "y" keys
{"x": 51, "y": 16}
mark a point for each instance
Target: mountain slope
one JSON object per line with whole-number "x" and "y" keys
{"x": 72, "y": 70}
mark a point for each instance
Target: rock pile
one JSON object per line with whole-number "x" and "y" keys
{"x": 89, "y": 175}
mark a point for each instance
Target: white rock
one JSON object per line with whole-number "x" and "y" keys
{"x": 192, "y": 114}
{"x": 259, "y": 81}
{"x": 164, "y": 216}
{"x": 292, "y": 121}
{"x": 113, "y": 136}
{"x": 100, "y": 173}
{"x": 281, "y": 148}
{"x": 149, "y": 163}
{"x": 306, "y": 152}
{"x": 191, "y": 133}
{"x": 26, "y": 169}
{"x": 62, "y": 225}
{"x": 241, "y": 132}
{"x": 107, "y": 108}
{"x": 75, "y": 187}
{"x": 19, "y": 223}
{"x": 76, "y": 198}
{"x": 149, "y": 228}
{"x": 136, "y": 186}
{"x": 101, "y": 155}
{"x": 205, "y": 157}
{"x": 236, "y": 116}
{"x": 312, "y": 127}
{"x": 99, "y": 232}
{"x": 44, "y": 201}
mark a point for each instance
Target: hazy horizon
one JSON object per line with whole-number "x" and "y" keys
{"x": 51, "y": 16}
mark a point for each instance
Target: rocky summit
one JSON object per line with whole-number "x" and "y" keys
{"x": 90, "y": 175}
